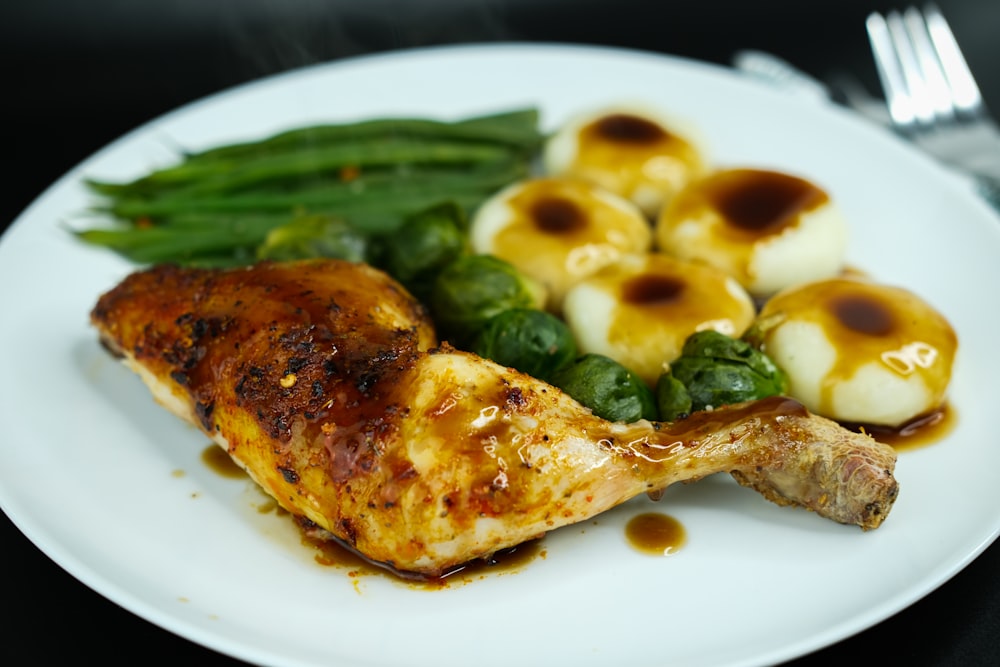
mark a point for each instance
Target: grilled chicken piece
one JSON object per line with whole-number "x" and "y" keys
{"x": 324, "y": 381}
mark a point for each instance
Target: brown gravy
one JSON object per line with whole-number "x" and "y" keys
{"x": 759, "y": 202}
{"x": 218, "y": 460}
{"x": 916, "y": 433}
{"x": 753, "y": 204}
{"x": 631, "y": 150}
{"x": 655, "y": 533}
{"x": 331, "y": 552}
{"x": 866, "y": 322}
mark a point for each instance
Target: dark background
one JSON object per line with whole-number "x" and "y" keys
{"x": 78, "y": 74}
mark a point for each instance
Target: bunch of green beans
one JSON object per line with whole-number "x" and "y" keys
{"x": 218, "y": 206}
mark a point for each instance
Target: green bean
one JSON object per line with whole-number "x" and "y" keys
{"x": 516, "y": 128}
{"x": 201, "y": 218}
{"x": 374, "y": 219}
{"x": 230, "y": 176}
{"x": 196, "y": 233}
{"x": 158, "y": 181}
{"x": 381, "y": 187}
{"x": 149, "y": 245}
{"x": 218, "y": 206}
{"x": 514, "y": 131}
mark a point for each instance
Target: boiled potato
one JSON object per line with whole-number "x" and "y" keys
{"x": 640, "y": 310}
{"x": 558, "y": 231}
{"x": 767, "y": 229}
{"x": 858, "y": 351}
{"x": 632, "y": 150}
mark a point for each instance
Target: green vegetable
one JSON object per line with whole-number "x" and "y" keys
{"x": 308, "y": 151}
{"x": 673, "y": 401}
{"x": 372, "y": 174}
{"x": 395, "y": 188}
{"x": 608, "y": 388}
{"x": 472, "y": 289}
{"x": 314, "y": 236}
{"x": 226, "y": 240}
{"x": 533, "y": 341}
{"x": 231, "y": 176}
{"x": 517, "y": 128}
{"x": 715, "y": 370}
{"x": 425, "y": 243}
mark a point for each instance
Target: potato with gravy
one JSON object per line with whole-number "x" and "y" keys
{"x": 859, "y": 351}
{"x": 558, "y": 231}
{"x": 767, "y": 229}
{"x": 640, "y": 310}
{"x": 632, "y": 150}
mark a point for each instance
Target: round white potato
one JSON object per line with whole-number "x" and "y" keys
{"x": 640, "y": 310}
{"x": 632, "y": 150}
{"x": 767, "y": 229}
{"x": 858, "y": 351}
{"x": 559, "y": 231}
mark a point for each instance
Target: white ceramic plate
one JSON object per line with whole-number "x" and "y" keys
{"x": 113, "y": 488}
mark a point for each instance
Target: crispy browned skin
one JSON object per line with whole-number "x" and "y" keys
{"x": 323, "y": 381}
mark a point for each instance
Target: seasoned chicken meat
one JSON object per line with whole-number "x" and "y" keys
{"x": 323, "y": 379}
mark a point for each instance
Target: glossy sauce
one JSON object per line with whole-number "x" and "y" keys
{"x": 651, "y": 290}
{"x": 869, "y": 323}
{"x": 736, "y": 209}
{"x": 556, "y": 216}
{"x": 755, "y": 203}
{"x": 331, "y": 552}
{"x": 571, "y": 229}
{"x": 219, "y": 461}
{"x": 682, "y": 295}
{"x": 921, "y": 431}
{"x": 625, "y": 152}
{"x": 660, "y": 301}
{"x": 655, "y": 534}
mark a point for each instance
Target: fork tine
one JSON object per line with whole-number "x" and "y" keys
{"x": 935, "y": 85}
{"x": 889, "y": 71}
{"x": 915, "y": 55}
{"x": 964, "y": 91}
{"x": 923, "y": 106}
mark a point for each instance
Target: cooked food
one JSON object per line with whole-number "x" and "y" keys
{"x": 767, "y": 229}
{"x": 559, "y": 230}
{"x": 640, "y": 310}
{"x": 714, "y": 370}
{"x": 606, "y": 387}
{"x": 328, "y": 187}
{"x": 531, "y": 340}
{"x": 417, "y": 252}
{"x": 632, "y": 150}
{"x": 859, "y": 351}
{"x": 321, "y": 378}
{"x": 472, "y": 289}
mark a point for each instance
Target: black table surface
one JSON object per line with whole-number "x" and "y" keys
{"x": 77, "y": 75}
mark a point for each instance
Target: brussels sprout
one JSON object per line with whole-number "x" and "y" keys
{"x": 426, "y": 243}
{"x": 609, "y": 389}
{"x": 473, "y": 288}
{"x": 533, "y": 341}
{"x": 672, "y": 398}
{"x": 715, "y": 370}
{"x": 314, "y": 236}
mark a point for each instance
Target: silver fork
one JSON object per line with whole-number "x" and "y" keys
{"x": 932, "y": 97}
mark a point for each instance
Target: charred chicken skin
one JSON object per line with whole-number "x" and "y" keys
{"x": 323, "y": 379}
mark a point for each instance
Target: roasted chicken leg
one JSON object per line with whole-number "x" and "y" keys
{"x": 324, "y": 380}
